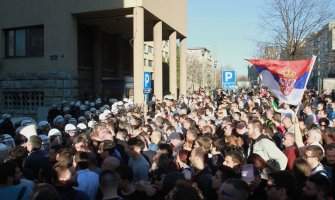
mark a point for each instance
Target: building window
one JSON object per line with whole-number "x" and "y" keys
{"x": 149, "y": 49}
{"x": 24, "y": 42}
{"x": 150, "y": 63}
{"x": 23, "y": 100}
{"x": 145, "y": 62}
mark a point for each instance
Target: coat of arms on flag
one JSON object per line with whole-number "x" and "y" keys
{"x": 285, "y": 79}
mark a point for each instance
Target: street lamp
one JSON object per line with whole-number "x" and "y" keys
{"x": 203, "y": 68}
{"x": 215, "y": 63}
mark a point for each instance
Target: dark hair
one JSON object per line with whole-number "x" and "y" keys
{"x": 241, "y": 188}
{"x": 166, "y": 148}
{"x": 45, "y": 191}
{"x": 321, "y": 183}
{"x": 185, "y": 190}
{"x": 136, "y": 141}
{"x": 125, "y": 173}
{"x": 107, "y": 145}
{"x": 227, "y": 172}
{"x": 284, "y": 179}
{"x": 65, "y": 155}
{"x": 7, "y": 169}
{"x": 108, "y": 179}
{"x": 82, "y": 159}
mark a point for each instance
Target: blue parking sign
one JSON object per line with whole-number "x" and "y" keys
{"x": 228, "y": 79}
{"x": 147, "y": 80}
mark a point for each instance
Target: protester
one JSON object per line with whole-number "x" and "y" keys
{"x": 227, "y": 146}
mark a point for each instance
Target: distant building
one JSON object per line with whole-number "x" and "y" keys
{"x": 200, "y": 68}
{"x": 253, "y": 76}
{"x": 322, "y": 45}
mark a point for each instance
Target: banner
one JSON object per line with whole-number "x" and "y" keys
{"x": 285, "y": 79}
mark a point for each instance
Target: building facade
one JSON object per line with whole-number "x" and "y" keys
{"x": 200, "y": 68}
{"x": 322, "y": 45}
{"x": 64, "y": 50}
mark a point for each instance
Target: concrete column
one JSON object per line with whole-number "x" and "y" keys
{"x": 138, "y": 35}
{"x": 120, "y": 56}
{"x": 173, "y": 63}
{"x": 158, "y": 70}
{"x": 183, "y": 68}
{"x": 97, "y": 62}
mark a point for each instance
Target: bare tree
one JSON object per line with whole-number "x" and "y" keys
{"x": 292, "y": 21}
{"x": 193, "y": 71}
{"x": 242, "y": 78}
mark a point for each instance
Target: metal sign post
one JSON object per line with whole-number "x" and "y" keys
{"x": 146, "y": 91}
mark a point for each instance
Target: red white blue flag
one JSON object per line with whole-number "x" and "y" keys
{"x": 285, "y": 79}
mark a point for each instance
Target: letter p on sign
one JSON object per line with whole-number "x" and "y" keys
{"x": 228, "y": 76}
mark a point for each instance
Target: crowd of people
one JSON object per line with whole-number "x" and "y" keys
{"x": 227, "y": 145}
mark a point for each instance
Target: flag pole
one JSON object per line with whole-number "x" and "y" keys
{"x": 309, "y": 73}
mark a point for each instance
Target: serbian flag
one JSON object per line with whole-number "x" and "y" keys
{"x": 285, "y": 79}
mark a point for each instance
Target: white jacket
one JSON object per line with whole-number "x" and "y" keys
{"x": 268, "y": 150}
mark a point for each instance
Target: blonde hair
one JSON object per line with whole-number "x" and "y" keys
{"x": 233, "y": 140}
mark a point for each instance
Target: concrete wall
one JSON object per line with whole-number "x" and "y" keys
{"x": 172, "y": 12}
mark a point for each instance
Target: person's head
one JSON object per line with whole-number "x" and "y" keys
{"x": 192, "y": 134}
{"x": 217, "y": 145}
{"x": 175, "y": 138}
{"x": 125, "y": 174}
{"x": 233, "y": 160}
{"x": 301, "y": 168}
{"x": 197, "y": 158}
{"x": 10, "y": 174}
{"x": 110, "y": 163}
{"x": 251, "y": 175}
{"x": 183, "y": 157}
{"x": 80, "y": 144}
{"x": 281, "y": 185}
{"x": 320, "y": 106}
{"x": 164, "y": 148}
{"x": 45, "y": 191}
{"x": 185, "y": 190}
{"x": 70, "y": 129}
{"x": 204, "y": 142}
{"x": 330, "y": 153}
{"x": 308, "y": 108}
{"x": 64, "y": 155}
{"x": 222, "y": 174}
{"x": 34, "y": 143}
{"x": 256, "y": 113}
{"x": 317, "y": 187}
{"x": 228, "y": 129}
{"x": 135, "y": 145}
{"x": 258, "y": 161}
{"x": 233, "y": 189}
{"x": 64, "y": 173}
{"x": 81, "y": 160}
{"x": 255, "y": 128}
{"x": 241, "y": 127}
{"x": 287, "y": 122}
{"x": 289, "y": 139}
{"x": 314, "y": 135}
{"x": 106, "y": 148}
{"x": 313, "y": 155}
{"x": 269, "y": 113}
{"x": 108, "y": 182}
